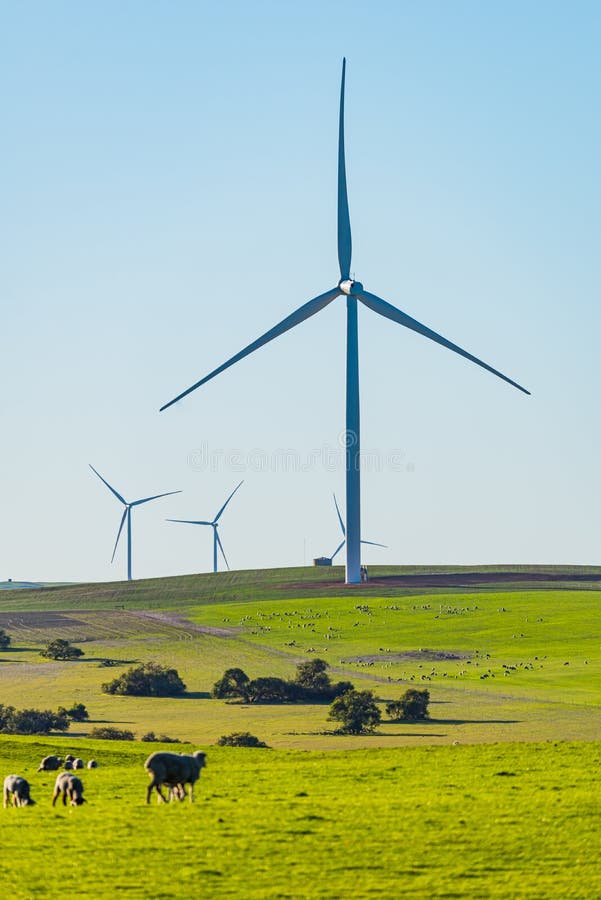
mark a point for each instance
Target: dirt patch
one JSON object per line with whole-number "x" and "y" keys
{"x": 409, "y": 656}
{"x": 178, "y": 621}
{"x": 41, "y": 620}
{"x": 454, "y": 579}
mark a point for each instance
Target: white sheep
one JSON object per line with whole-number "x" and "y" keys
{"x": 174, "y": 770}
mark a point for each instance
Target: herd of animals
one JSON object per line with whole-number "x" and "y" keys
{"x": 170, "y": 770}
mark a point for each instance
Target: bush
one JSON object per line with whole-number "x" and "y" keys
{"x": 358, "y": 712}
{"x": 31, "y": 721}
{"x": 240, "y": 739}
{"x": 60, "y": 649}
{"x": 107, "y": 733}
{"x": 5, "y": 639}
{"x": 77, "y": 713}
{"x": 233, "y": 683}
{"x": 150, "y": 737}
{"x": 269, "y": 690}
{"x": 412, "y": 706}
{"x": 147, "y": 680}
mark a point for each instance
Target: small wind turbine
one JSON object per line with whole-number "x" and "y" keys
{"x": 353, "y": 291}
{"x": 340, "y": 546}
{"x": 127, "y": 515}
{"x": 214, "y": 525}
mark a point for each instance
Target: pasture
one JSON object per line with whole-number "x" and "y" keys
{"x": 496, "y": 821}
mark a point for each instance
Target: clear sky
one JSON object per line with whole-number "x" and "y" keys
{"x": 169, "y": 193}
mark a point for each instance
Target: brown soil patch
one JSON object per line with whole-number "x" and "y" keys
{"x": 457, "y": 579}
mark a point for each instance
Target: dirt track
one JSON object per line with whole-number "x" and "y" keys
{"x": 464, "y": 579}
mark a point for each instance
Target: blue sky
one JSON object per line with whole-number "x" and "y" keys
{"x": 169, "y": 193}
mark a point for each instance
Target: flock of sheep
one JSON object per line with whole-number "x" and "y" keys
{"x": 171, "y": 770}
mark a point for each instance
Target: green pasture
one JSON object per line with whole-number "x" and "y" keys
{"x": 495, "y": 821}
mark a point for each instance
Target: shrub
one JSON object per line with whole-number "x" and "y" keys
{"x": 357, "y": 711}
{"x": 147, "y": 680}
{"x": 233, "y": 683}
{"x": 60, "y": 649}
{"x": 108, "y": 733}
{"x": 151, "y": 737}
{"x": 5, "y": 639}
{"x": 31, "y": 721}
{"x": 269, "y": 690}
{"x": 77, "y": 713}
{"x": 412, "y": 706}
{"x": 240, "y": 739}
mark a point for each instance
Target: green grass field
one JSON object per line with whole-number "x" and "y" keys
{"x": 498, "y": 821}
{"x": 496, "y": 795}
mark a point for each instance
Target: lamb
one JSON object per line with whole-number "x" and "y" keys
{"x": 174, "y": 770}
{"x": 50, "y": 764}
{"x": 78, "y": 763}
{"x": 69, "y": 786}
{"x": 92, "y": 764}
{"x": 17, "y": 789}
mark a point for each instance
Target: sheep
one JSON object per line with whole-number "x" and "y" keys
{"x": 69, "y": 786}
{"x": 50, "y": 764}
{"x": 69, "y": 757}
{"x": 92, "y": 764}
{"x": 68, "y": 766}
{"x": 174, "y": 770}
{"x": 17, "y": 789}
{"x": 78, "y": 763}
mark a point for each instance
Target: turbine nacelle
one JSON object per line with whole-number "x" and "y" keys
{"x": 350, "y": 288}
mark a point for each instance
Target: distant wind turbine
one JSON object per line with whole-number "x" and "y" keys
{"x": 341, "y": 545}
{"x": 353, "y": 291}
{"x": 127, "y": 515}
{"x": 214, "y": 525}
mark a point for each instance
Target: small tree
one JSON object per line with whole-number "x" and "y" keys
{"x": 147, "y": 680}
{"x": 357, "y": 711}
{"x": 269, "y": 690}
{"x": 5, "y": 639}
{"x": 61, "y": 649}
{"x": 31, "y": 721}
{"x": 77, "y": 713}
{"x": 233, "y": 683}
{"x": 412, "y": 706}
{"x": 312, "y": 676}
{"x": 240, "y": 739}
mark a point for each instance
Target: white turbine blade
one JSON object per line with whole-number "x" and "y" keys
{"x": 304, "y": 312}
{"x": 123, "y": 518}
{"x": 112, "y": 489}
{"x": 391, "y": 312}
{"x": 155, "y": 497}
{"x": 372, "y": 544}
{"x": 222, "y": 550}
{"x": 189, "y": 521}
{"x": 344, "y": 220}
{"x": 339, "y": 516}
{"x": 216, "y": 519}
{"x": 337, "y": 550}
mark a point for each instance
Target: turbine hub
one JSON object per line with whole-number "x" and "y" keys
{"x": 349, "y": 287}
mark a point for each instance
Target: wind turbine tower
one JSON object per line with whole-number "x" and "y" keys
{"x": 353, "y": 292}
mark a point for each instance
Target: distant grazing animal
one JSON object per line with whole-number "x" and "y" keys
{"x": 17, "y": 790}
{"x": 69, "y": 757}
{"x": 78, "y": 764}
{"x": 174, "y": 770}
{"x": 92, "y": 764}
{"x": 69, "y": 786}
{"x": 50, "y": 764}
{"x": 68, "y": 766}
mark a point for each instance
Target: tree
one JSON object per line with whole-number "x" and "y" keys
{"x": 61, "y": 649}
{"x": 312, "y": 676}
{"x": 412, "y": 706}
{"x": 31, "y": 721}
{"x": 269, "y": 690}
{"x": 147, "y": 680}
{"x": 5, "y": 639}
{"x": 357, "y": 711}
{"x": 77, "y": 713}
{"x": 233, "y": 683}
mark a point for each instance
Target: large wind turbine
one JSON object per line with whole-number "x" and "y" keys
{"x": 353, "y": 291}
{"x": 214, "y": 525}
{"x": 343, "y": 529}
{"x": 127, "y": 515}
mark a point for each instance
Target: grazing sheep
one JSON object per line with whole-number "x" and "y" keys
{"x": 69, "y": 786}
{"x": 78, "y": 764}
{"x": 50, "y": 764}
{"x": 17, "y": 789}
{"x": 68, "y": 766}
{"x": 174, "y": 770}
{"x": 69, "y": 757}
{"x": 92, "y": 764}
